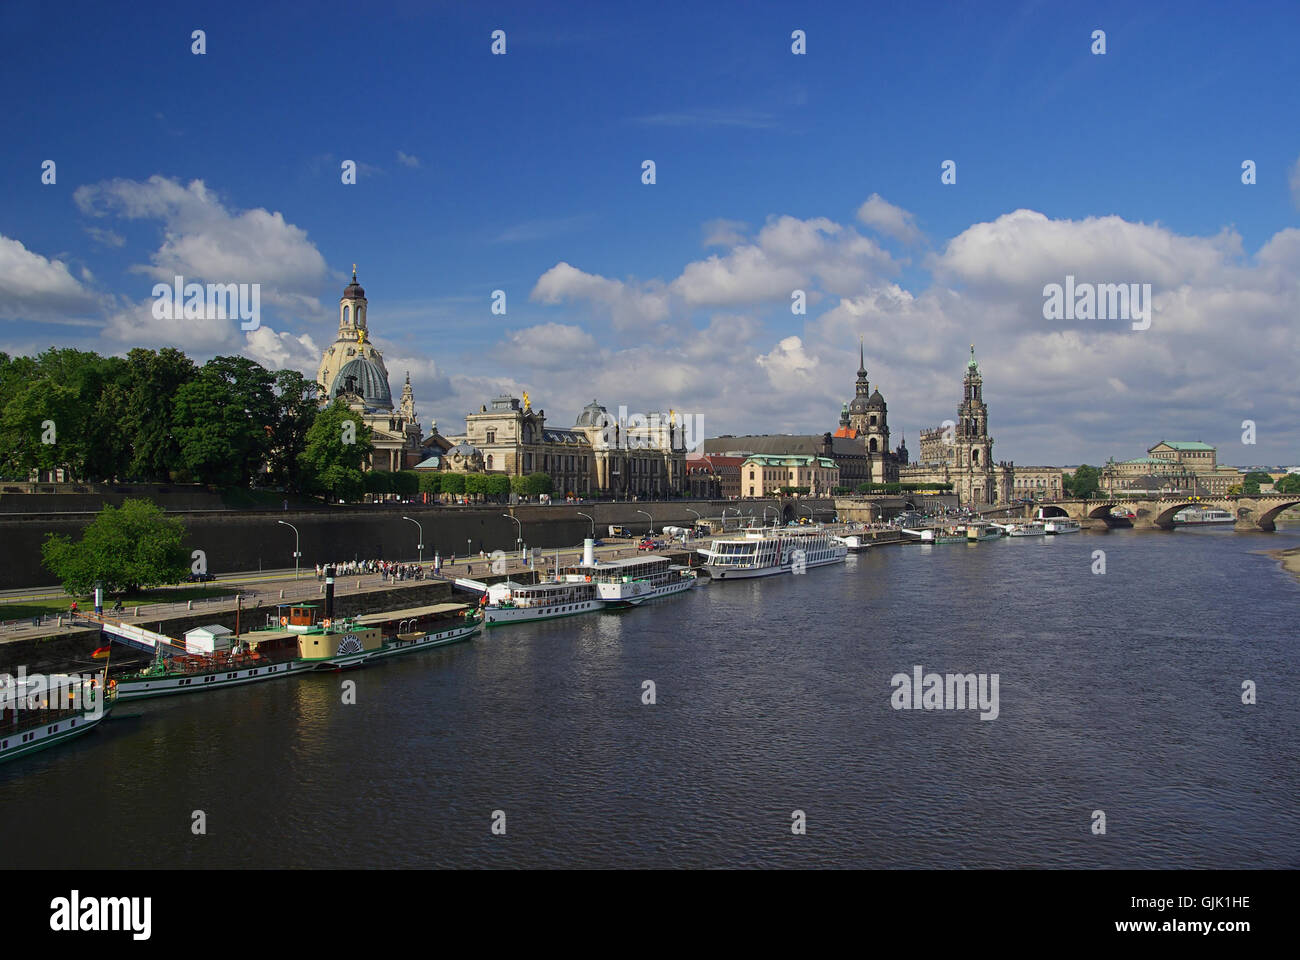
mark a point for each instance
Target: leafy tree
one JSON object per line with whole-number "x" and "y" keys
{"x": 128, "y": 548}
{"x": 1289, "y": 484}
{"x": 453, "y": 483}
{"x": 475, "y": 484}
{"x": 406, "y": 483}
{"x": 519, "y": 485}
{"x": 1250, "y": 483}
{"x": 498, "y": 485}
{"x": 146, "y": 412}
{"x": 1084, "y": 482}
{"x": 330, "y": 466}
{"x": 538, "y": 483}
{"x": 61, "y": 387}
{"x": 430, "y": 482}
{"x": 378, "y": 483}
{"x": 225, "y": 419}
{"x": 295, "y": 412}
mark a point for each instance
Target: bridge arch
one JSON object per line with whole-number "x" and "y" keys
{"x": 1052, "y": 510}
{"x": 1265, "y": 519}
{"x": 1101, "y": 511}
{"x": 1164, "y": 515}
{"x": 787, "y": 513}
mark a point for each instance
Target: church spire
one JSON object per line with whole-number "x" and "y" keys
{"x": 862, "y": 358}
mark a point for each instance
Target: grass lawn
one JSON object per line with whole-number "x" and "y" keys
{"x": 26, "y": 609}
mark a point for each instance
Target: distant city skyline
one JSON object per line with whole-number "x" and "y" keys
{"x": 775, "y": 173}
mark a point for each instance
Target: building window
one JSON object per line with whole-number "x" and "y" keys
{"x": 491, "y": 436}
{"x": 489, "y": 461}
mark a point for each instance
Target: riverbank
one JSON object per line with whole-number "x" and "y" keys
{"x": 1290, "y": 560}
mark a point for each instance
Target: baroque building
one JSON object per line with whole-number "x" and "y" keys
{"x": 352, "y": 369}
{"x": 644, "y": 456}
{"x": 1171, "y": 467}
{"x": 859, "y": 448}
{"x": 961, "y": 453}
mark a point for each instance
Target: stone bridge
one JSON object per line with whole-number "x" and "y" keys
{"x": 1252, "y": 512}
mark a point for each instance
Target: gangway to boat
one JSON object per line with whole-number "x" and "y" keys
{"x": 475, "y": 586}
{"x": 137, "y": 637}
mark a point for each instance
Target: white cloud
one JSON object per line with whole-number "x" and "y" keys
{"x": 34, "y": 287}
{"x": 204, "y": 242}
{"x": 883, "y": 217}
{"x": 408, "y": 160}
{"x": 629, "y": 306}
{"x": 724, "y": 233}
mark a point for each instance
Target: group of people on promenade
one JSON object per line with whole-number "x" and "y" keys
{"x": 392, "y": 572}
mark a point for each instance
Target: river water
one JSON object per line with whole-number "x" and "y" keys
{"x": 1118, "y": 692}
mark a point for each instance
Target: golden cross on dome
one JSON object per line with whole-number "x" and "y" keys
{"x": 354, "y": 273}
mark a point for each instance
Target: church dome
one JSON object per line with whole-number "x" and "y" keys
{"x": 859, "y": 404}
{"x": 354, "y": 290}
{"x": 593, "y": 415}
{"x": 876, "y": 399}
{"x": 368, "y": 380}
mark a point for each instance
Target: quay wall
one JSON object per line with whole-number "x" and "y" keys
{"x": 236, "y": 541}
{"x": 71, "y": 650}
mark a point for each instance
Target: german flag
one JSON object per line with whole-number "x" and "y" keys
{"x": 101, "y": 653}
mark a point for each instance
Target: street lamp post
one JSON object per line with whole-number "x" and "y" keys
{"x": 296, "y": 552}
{"x": 652, "y": 521}
{"x": 420, "y": 547}
{"x": 775, "y": 511}
{"x": 519, "y": 541}
{"x": 593, "y": 523}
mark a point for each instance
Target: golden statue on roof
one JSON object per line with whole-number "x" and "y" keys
{"x": 528, "y": 404}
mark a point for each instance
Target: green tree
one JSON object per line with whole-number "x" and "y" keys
{"x": 1250, "y": 483}
{"x": 225, "y": 419}
{"x": 406, "y": 483}
{"x": 295, "y": 412}
{"x": 330, "y": 466}
{"x": 519, "y": 485}
{"x": 498, "y": 485}
{"x": 453, "y": 483}
{"x": 1289, "y": 484}
{"x": 57, "y": 396}
{"x": 430, "y": 482}
{"x": 539, "y": 483}
{"x": 1084, "y": 482}
{"x": 127, "y": 548}
{"x": 147, "y": 412}
{"x": 378, "y": 483}
{"x": 476, "y": 484}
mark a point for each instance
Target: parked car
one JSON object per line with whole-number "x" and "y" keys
{"x": 199, "y": 578}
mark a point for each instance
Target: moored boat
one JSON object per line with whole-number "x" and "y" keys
{"x": 41, "y": 711}
{"x": 1055, "y": 525}
{"x": 769, "y": 553}
{"x": 633, "y": 580}
{"x": 510, "y": 602}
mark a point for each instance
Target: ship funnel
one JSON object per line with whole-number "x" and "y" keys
{"x": 588, "y": 551}
{"x": 329, "y": 593}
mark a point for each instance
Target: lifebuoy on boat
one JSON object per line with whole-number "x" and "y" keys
{"x": 112, "y": 684}
{"x": 326, "y": 623}
{"x": 284, "y": 621}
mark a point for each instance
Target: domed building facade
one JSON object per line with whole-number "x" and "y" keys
{"x": 352, "y": 369}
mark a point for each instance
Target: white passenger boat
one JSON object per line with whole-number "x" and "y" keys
{"x": 632, "y": 581}
{"x": 40, "y": 711}
{"x": 1034, "y": 528}
{"x": 1053, "y": 525}
{"x": 511, "y": 602}
{"x": 1194, "y": 516}
{"x": 765, "y": 553}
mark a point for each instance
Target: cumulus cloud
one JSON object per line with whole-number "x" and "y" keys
{"x": 203, "y": 241}
{"x": 724, "y": 233}
{"x": 629, "y": 306}
{"x": 883, "y": 217}
{"x": 35, "y": 287}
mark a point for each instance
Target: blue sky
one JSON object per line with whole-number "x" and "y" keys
{"x": 483, "y": 172}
